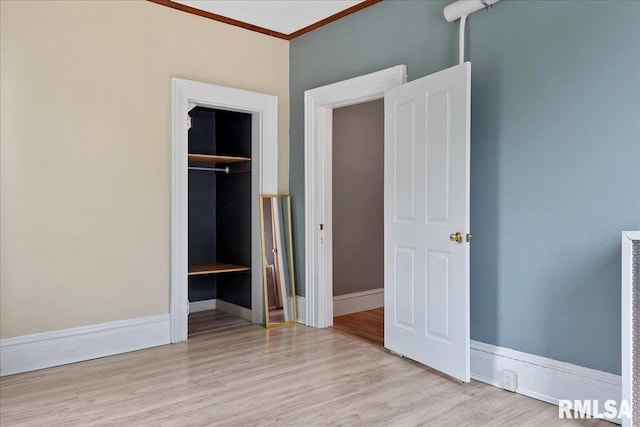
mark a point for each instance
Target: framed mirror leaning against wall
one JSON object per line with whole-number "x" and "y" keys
{"x": 277, "y": 260}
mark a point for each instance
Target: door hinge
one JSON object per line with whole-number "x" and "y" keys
{"x": 190, "y": 122}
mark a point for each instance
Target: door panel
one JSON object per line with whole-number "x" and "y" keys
{"x": 427, "y": 200}
{"x": 437, "y": 295}
{"x": 404, "y": 159}
{"x": 437, "y": 162}
{"x": 405, "y": 266}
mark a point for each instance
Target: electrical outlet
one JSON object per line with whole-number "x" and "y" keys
{"x": 509, "y": 380}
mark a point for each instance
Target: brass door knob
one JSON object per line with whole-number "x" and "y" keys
{"x": 456, "y": 237}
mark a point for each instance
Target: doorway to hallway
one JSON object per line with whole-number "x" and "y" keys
{"x": 357, "y": 170}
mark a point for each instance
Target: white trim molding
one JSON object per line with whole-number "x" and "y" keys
{"x": 204, "y": 305}
{"x": 235, "y": 309}
{"x": 318, "y": 125}
{"x": 187, "y": 94}
{"x": 358, "y": 301}
{"x": 301, "y": 309}
{"x": 627, "y": 326}
{"x": 542, "y": 378}
{"x": 47, "y": 349}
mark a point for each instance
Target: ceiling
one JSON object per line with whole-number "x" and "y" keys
{"x": 281, "y": 18}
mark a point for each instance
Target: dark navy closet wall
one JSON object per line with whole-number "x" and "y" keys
{"x": 220, "y": 205}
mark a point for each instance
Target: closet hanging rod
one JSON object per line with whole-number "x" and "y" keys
{"x": 196, "y": 168}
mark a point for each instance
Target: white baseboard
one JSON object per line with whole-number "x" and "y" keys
{"x": 47, "y": 349}
{"x": 236, "y": 310}
{"x": 542, "y": 378}
{"x": 301, "y": 309}
{"x": 358, "y": 301}
{"x": 196, "y": 306}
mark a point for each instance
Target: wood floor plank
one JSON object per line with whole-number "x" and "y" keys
{"x": 240, "y": 374}
{"x": 367, "y": 324}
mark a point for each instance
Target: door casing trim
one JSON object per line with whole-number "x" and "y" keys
{"x": 318, "y": 126}
{"x": 263, "y": 108}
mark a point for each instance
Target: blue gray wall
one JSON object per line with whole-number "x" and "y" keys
{"x": 555, "y": 155}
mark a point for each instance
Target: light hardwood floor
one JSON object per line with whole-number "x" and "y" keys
{"x": 367, "y": 324}
{"x": 205, "y": 322}
{"x": 241, "y": 374}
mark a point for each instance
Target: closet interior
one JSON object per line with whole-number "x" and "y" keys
{"x": 219, "y": 208}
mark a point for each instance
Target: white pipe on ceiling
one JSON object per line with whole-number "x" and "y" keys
{"x": 463, "y": 22}
{"x": 461, "y": 8}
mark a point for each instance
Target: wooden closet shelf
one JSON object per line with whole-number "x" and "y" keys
{"x": 216, "y": 160}
{"x": 215, "y": 268}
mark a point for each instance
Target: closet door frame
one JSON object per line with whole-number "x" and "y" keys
{"x": 187, "y": 94}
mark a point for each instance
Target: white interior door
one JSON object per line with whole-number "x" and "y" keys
{"x": 426, "y": 284}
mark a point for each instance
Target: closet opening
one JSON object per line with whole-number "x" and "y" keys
{"x": 256, "y": 117}
{"x": 219, "y": 218}
{"x": 357, "y": 169}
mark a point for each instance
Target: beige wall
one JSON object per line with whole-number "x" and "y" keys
{"x": 85, "y": 150}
